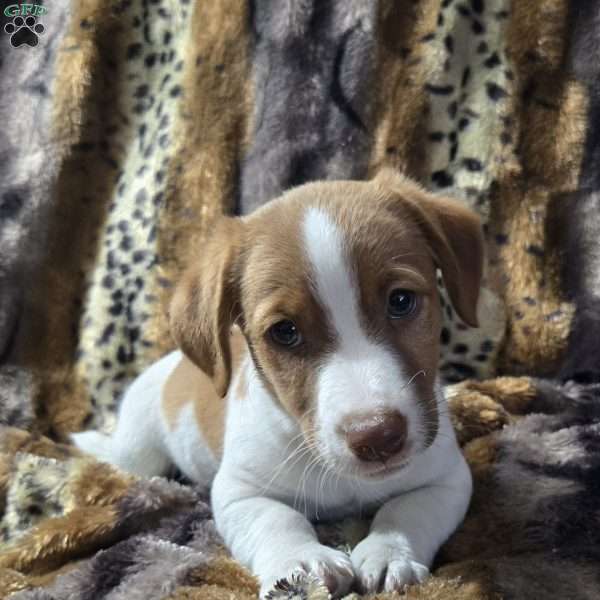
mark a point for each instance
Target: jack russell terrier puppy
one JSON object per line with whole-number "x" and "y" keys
{"x": 306, "y": 387}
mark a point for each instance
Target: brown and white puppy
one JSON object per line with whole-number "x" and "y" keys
{"x": 307, "y": 387}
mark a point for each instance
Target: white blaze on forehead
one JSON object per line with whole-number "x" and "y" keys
{"x": 335, "y": 285}
{"x": 361, "y": 375}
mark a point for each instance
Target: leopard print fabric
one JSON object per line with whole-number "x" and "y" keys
{"x": 467, "y": 106}
{"x": 113, "y": 346}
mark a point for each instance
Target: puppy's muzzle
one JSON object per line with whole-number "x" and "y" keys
{"x": 377, "y": 436}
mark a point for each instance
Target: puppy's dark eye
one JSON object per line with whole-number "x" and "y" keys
{"x": 285, "y": 333}
{"x": 401, "y": 303}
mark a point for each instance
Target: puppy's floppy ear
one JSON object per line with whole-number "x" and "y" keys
{"x": 206, "y": 303}
{"x": 454, "y": 234}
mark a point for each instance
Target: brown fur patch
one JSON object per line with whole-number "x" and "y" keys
{"x": 206, "y": 304}
{"x": 401, "y": 103}
{"x": 187, "y": 383}
{"x": 548, "y": 127}
{"x": 276, "y": 286}
{"x": 71, "y": 536}
{"x": 516, "y": 394}
{"x": 12, "y": 581}
{"x": 99, "y": 484}
{"x": 242, "y": 385}
{"x": 475, "y": 414}
{"x": 227, "y": 573}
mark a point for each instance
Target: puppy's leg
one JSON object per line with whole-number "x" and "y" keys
{"x": 138, "y": 443}
{"x": 272, "y": 539}
{"x": 95, "y": 443}
{"x": 408, "y": 530}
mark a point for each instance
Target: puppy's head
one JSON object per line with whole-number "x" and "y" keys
{"x": 334, "y": 287}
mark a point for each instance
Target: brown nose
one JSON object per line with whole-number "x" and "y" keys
{"x": 375, "y": 436}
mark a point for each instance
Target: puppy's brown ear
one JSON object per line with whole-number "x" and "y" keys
{"x": 206, "y": 303}
{"x": 454, "y": 234}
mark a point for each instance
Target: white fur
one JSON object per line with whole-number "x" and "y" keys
{"x": 143, "y": 443}
{"x": 188, "y": 449}
{"x": 138, "y": 443}
{"x": 268, "y": 487}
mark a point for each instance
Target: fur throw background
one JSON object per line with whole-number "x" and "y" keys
{"x": 132, "y": 124}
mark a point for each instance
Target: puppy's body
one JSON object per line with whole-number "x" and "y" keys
{"x": 348, "y": 417}
{"x": 178, "y": 433}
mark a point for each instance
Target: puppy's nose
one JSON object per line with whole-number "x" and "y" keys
{"x": 375, "y": 437}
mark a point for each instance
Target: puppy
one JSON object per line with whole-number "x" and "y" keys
{"x": 306, "y": 386}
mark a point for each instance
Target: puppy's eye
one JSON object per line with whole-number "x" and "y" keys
{"x": 401, "y": 303}
{"x": 285, "y": 333}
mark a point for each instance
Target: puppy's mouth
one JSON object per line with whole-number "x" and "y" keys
{"x": 375, "y": 471}
{"x": 371, "y": 470}
{"x": 382, "y": 471}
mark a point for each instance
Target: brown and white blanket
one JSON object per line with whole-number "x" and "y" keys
{"x": 131, "y": 124}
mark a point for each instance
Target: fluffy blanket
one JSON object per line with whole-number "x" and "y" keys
{"x": 128, "y": 126}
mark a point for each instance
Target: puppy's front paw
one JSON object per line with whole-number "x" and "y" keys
{"x": 332, "y": 567}
{"x": 381, "y": 566}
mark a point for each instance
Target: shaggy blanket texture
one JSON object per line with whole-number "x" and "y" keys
{"x": 132, "y": 124}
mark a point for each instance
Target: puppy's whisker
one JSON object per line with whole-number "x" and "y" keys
{"x": 304, "y": 448}
{"x": 311, "y": 468}
{"x": 320, "y": 491}
{"x": 302, "y": 483}
{"x": 298, "y": 454}
{"x": 330, "y": 472}
{"x": 337, "y": 481}
{"x": 232, "y": 318}
{"x": 405, "y": 254}
{"x": 434, "y": 412}
{"x": 421, "y": 372}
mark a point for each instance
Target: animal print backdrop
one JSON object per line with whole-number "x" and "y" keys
{"x": 129, "y": 125}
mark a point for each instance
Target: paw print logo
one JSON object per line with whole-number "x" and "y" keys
{"x": 24, "y": 31}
